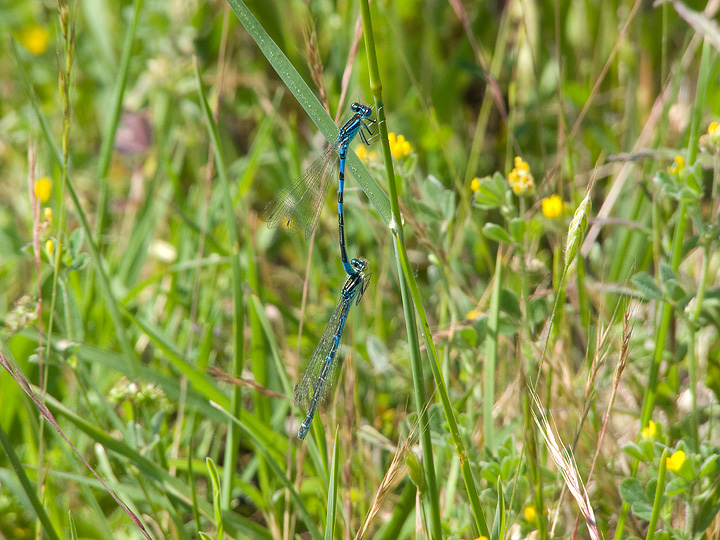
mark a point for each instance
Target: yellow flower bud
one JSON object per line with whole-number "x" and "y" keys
{"x": 474, "y": 314}
{"x": 520, "y": 179}
{"x": 650, "y": 431}
{"x": 43, "y": 189}
{"x": 677, "y": 166}
{"x": 674, "y": 462}
{"x": 714, "y": 133}
{"x": 530, "y": 514}
{"x": 553, "y": 207}
{"x": 35, "y": 39}
{"x": 399, "y": 147}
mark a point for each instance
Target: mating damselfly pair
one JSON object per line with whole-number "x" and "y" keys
{"x": 298, "y": 206}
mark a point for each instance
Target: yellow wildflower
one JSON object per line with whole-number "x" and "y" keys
{"x": 474, "y": 314}
{"x": 399, "y": 147}
{"x": 43, "y": 188}
{"x": 674, "y": 462}
{"x": 553, "y": 207}
{"x": 47, "y": 214}
{"x": 49, "y": 246}
{"x": 365, "y": 155}
{"x": 475, "y": 184}
{"x": 530, "y": 514}
{"x": 35, "y": 39}
{"x": 650, "y": 431}
{"x": 482, "y": 538}
{"x": 520, "y": 179}
{"x": 677, "y": 166}
{"x": 714, "y": 133}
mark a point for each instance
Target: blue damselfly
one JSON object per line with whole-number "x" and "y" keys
{"x": 319, "y": 375}
{"x": 299, "y": 204}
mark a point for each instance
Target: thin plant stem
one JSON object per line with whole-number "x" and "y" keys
{"x": 675, "y": 259}
{"x": 534, "y": 468}
{"x": 397, "y": 230}
{"x": 659, "y": 491}
{"x": 111, "y": 301}
{"x": 420, "y": 400}
{"x": 491, "y": 348}
{"x": 677, "y": 245}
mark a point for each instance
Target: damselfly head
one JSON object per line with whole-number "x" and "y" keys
{"x": 359, "y": 264}
{"x": 362, "y": 109}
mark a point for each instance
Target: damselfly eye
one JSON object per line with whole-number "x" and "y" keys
{"x": 359, "y": 264}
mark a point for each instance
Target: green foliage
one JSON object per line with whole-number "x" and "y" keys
{"x": 163, "y": 325}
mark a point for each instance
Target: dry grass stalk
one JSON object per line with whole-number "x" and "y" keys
{"x": 566, "y": 464}
{"x": 619, "y": 368}
{"x": 246, "y": 382}
{"x": 312, "y": 55}
{"x": 393, "y": 474}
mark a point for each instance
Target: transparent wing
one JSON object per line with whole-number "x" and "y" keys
{"x": 362, "y": 287}
{"x": 310, "y": 378}
{"x": 299, "y": 204}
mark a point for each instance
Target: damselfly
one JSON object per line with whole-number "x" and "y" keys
{"x": 320, "y": 373}
{"x": 299, "y": 204}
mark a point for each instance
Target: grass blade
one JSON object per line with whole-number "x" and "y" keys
{"x": 28, "y": 489}
{"x": 233, "y": 435}
{"x": 333, "y": 491}
{"x": 315, "y": 111}
{"x": 108, "y": 140}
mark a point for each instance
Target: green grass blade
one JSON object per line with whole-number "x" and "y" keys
{"x": 36, "y": 106}
{"x": 28, "y": 488}
{"x": 315, "y": 111}
{"x": 402, "y": 509}
{"x": 73, "y": 528}
{"x": 96, "y": 14}
{"x": 396, "y": 228}
{"x": 500, "y": 523}
{"x": 233, "y": 436}
{"x": 276, "y": 468}
{"x": 194, "y": 376}
{"x": 491, "y": 341}
{"x": 104, "y": 282}
{"x": 333, "y": 491}
{"x": 432, "y": 493}
{"x": 171, "y": 486}
{"x": 658, "y": 499}
{"x": 217, "y": 506}
{"x": 272, "y": 349}
{"x": 252, "y": 161}
{"x": 679, "y": 235}
{"x": 108, "y": 140}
